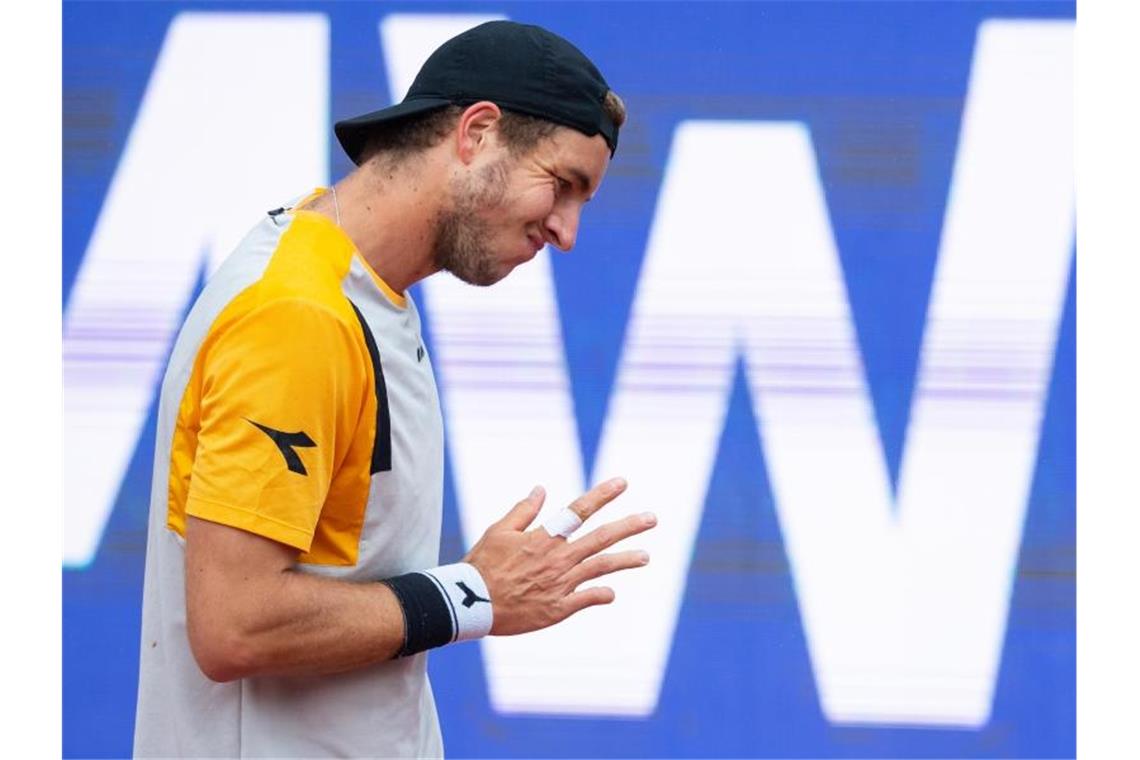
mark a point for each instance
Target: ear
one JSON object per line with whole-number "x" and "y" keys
{"x": 473, "y": 131}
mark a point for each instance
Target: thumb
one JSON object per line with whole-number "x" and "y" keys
{"x": 523, "y": 513}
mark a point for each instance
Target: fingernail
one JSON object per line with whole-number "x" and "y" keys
{"x": 535, "y": 492}
{"x": 643, "y": 557}
{"x": 649, "y": 517}
{"x": 617, "y": 483}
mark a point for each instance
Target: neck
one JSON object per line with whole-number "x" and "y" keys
{"x": 388, "y": 216}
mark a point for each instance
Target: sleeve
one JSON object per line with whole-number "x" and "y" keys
{"x": 282, "y": 393}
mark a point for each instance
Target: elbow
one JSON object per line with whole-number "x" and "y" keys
{"x": 222, "y": 667}
{"x": 223, "y": 652}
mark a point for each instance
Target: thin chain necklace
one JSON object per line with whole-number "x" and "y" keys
{"x": 336, "y": 206}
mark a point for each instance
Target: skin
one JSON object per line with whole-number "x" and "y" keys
{"x": 467, "y": 206}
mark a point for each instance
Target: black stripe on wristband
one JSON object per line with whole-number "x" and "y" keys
{"x": 428, "y": 619}
{"x": 450, "y": 607}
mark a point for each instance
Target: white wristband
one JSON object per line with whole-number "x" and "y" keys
{"x": 467, "y": 597}
{"x": 562, "y": 523}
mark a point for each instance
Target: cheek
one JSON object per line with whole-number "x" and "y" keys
{"x": 526, "y": 208}
{"x": 537, "y": 204}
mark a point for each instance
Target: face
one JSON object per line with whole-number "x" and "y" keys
{"x": 505, "y": 208}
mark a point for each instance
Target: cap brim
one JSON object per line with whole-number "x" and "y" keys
{"x": 353, "y": 133}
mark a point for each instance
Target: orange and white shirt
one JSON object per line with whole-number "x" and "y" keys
{"x": 298, "y": 404}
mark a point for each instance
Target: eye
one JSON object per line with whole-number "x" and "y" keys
{"x": 563, "y": 185}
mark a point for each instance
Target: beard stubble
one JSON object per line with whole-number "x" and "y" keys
{"x": 462, "y": 231}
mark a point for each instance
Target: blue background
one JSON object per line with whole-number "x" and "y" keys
{"x": 881, "y": 87}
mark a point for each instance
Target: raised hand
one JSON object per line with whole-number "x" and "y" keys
{"x": 533, "y": 577}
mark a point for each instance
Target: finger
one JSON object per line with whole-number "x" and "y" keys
{"x": 604, "y": 564}
{"x": 523, "y": 513}
{"x": 589, "y": 597}
{"x": 597, "y": 497}
{"x": 609, "y": 534}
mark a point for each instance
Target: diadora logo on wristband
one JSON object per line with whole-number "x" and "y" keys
{"x": 469, "y": 596}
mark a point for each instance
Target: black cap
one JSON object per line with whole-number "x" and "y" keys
{"x": 518, "y": 67}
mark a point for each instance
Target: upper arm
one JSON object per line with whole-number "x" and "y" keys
{"x": 230, "y": 575}
{"x": 281, "y": 391}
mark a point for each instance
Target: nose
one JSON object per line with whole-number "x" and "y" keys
{"x": 562, "y": 226}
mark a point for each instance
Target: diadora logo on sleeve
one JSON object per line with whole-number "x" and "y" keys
{"x": 898, "y": 630}
{"x": 285, "y": 443}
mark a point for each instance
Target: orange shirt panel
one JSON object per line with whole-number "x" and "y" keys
{"x": 276, "y": 426}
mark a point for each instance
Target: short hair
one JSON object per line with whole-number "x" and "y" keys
{"x": 614, "y": 107}
{"x": 396, "y": 140}
{"x": 399, "y": 140}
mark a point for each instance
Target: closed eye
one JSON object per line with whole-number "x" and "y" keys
{"x": 579, "y": 184}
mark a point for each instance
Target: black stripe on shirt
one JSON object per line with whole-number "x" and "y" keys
{"x": 382, "y": 446}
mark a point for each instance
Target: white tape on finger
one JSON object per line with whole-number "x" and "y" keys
{"x": 562, "y": 523}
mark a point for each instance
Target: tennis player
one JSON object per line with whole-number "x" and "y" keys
{"x": 293, "y": 584}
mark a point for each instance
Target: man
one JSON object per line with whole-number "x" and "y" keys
{"x": 291, "y": 583}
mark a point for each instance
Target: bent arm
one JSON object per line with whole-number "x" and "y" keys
{"x": 250, "y": 613}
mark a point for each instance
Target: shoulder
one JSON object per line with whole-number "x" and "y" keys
{"x": 307, "y": 269}
{"x": 287, "y": 322}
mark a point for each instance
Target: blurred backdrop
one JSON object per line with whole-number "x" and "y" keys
{"x": 821, "y": 315}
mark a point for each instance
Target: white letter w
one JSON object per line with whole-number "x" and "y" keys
{"x": 904, "y": 605}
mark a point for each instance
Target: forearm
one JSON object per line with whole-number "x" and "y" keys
{"x": 298, "y": 624}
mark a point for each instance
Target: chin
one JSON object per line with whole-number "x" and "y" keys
{"x": 490, "y": 277}
{"x": 528, "y": 255}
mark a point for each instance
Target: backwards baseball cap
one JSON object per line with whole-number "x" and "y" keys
{"x": 518, "y": 67}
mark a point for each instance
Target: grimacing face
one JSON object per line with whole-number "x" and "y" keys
{"x": 506, "y": 208}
